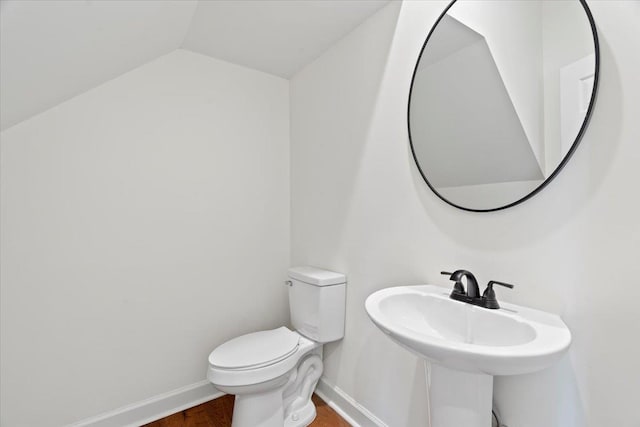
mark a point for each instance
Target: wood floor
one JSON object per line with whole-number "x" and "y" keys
{"x": 217, "y": 413}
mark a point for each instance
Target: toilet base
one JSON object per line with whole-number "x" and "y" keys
{"x": 258, "y": 409}
{"x": 266, "y": 410}
{"x": 302, "y": 417}
{"x": 282, "y": 402}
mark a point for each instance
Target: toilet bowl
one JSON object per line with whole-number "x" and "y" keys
{"x": 273, "y": 373}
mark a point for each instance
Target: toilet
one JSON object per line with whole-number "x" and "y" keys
{"x": 273, "y": 373}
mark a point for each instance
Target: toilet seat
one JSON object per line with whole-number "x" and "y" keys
{"x": 257, "y": 357}
{"x": 255, "y": 350}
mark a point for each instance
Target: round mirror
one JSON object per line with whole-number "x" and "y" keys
{"x": 500, "y": 97}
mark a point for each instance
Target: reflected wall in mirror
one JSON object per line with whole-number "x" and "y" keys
{"x": 501, "y": 94}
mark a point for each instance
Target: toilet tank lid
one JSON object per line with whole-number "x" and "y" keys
{"x": 316, "y": 276}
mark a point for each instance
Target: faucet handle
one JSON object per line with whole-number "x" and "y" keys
{"x": 495, "y": 282}
{"x": 489, "y": 295}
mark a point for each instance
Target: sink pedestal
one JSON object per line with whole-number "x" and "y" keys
{"x": 458, "y": 398}
{"x": 468, "y": 345}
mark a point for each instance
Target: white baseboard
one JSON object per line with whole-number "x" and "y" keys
{"x": 353, "y": 413}
{"x": 154, "y": 408}
{"x": 165, "y": 404}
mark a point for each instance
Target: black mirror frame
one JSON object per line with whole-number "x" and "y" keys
{"x": 567, "y": 156}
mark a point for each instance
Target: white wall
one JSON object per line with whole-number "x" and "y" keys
{"x": 143, "y": 223}
{"x": 360, "y": 207}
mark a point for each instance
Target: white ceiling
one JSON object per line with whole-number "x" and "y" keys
{"x": 52, "y": 50}
{"x": 278, "y": 37}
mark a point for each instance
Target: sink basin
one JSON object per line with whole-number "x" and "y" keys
{"x": 508, "y": 341}
{"x": 466, "y": 345}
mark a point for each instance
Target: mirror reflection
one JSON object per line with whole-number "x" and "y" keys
{"x": 499, "y": 96}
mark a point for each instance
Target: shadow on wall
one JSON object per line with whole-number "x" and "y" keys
{"x": 555, "y": 387}
{"x": 409, "y": 406}
{"x": 333, "y": 109}
{"x": 332, "y": 149}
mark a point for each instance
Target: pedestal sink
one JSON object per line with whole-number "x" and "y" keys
{"x": 465, "y": 346}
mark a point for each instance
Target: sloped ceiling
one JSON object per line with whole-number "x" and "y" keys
{"x": 278, "y": 37}
{"x": 53, "y": 50}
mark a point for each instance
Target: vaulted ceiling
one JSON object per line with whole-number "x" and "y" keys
{"x": 52, "y": 50}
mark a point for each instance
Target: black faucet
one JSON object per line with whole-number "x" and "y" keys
{"x": 472, "y": 294}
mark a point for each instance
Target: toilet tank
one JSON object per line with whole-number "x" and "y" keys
{"x": 317, "y": 303}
